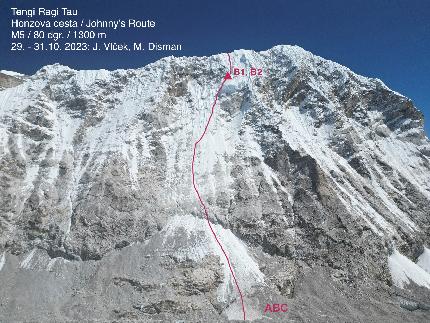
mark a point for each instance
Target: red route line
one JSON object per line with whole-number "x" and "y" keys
{"x": 227, "y": 77}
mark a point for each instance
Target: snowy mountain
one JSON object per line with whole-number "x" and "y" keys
{"x": 317, "y": 182}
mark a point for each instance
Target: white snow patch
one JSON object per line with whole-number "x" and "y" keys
{"x": 88, "y": 77}
{"x": 2, "y": 260}
{"x": 69, "y": 219}
{"x": 51, "y": 264}
{"x": 12, "y": 73}
{"x": 424, "y": 260}
{"x": 403, "y": 271}
{"x": 32, "y": 170}
{"x": 4, "y": 149}
{"x": 402, "y": 156}
{"x": 26, "y": 263}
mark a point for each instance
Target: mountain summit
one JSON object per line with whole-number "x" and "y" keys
{"x": 317, "y": 182}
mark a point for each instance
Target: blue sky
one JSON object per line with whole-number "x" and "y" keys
{"x": 385, "y": 39}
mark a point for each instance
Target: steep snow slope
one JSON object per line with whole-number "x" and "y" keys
{"x": 308, "y": 166}
{"x": 424, "y": 260}
{"x": 403, "y": 270}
